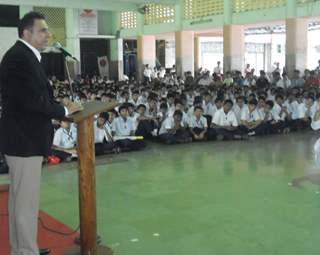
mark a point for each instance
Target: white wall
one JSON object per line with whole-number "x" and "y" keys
{"x": 9, "y": 36}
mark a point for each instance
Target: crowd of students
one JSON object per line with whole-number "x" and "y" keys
{"x": 171, "y": 110}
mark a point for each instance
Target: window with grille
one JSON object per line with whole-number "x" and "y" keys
{"x": 252, "y": 5}
{"x": 128, "y": 20}
{"x": 194, "y": 9}
{"x": 158, "y": 14}
{"x": 56, "y": 20}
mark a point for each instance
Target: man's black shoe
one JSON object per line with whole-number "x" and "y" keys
{"x": 44, "y": 251}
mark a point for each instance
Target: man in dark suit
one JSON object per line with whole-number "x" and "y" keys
{"x": 26, "y": 130}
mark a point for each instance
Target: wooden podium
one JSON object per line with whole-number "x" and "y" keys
{"x": 87, "y": 180}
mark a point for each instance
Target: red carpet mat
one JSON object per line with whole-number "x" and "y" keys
{"x": 57, "y": 243}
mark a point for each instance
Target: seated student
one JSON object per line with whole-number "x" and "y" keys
{"x": 132, "y": 114}
{"x": 272, "y": 122}
{"x": 135, "y": 98}
{"x": 104, "y": 142}
{"x": 198, "y": 125}
{"x": 64, "y": 142}
{"x": 151, "y": 107}
{"x": 179, "y": 106}
{"x": 281, "y": 115}
{"x": 293, "y": 108}
{"x": 208, "y": 108}
{"x": 197, "y": 102}
{"x": 145, "y": 124}
{"x": 261, "y": 105}
{"x": 123, "y": 130}
{"x": 239, "y": 106}
{"x": 305, "y": 115}
{"x": 224, "y": 124}
{"x": 170, "y": 101}
{"x": 172, "y": 130}
{"x": 251, "y": 122}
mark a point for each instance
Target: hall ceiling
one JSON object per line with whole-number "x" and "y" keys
{"x": 112, "y": 5}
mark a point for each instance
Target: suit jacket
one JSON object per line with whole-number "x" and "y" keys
{"x": 27, "y": 105}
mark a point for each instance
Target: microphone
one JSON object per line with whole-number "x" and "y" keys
{"x": 65, "y": 53}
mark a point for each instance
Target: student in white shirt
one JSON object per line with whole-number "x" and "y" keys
{"x": 173, "y": 131}
{"x": 293, "y": 107}
{"x": 251, "y": 121}
{"x": 103, "y": 139}
{"x": 218, "y": 70}
{"x": 145, "y": 124}
{"x": 272, "y": 121}
{"x": 64, "y": 142}
{"x": 123, "y": 128}
{"x": 206, "y": 80}
{"x": 208, "y": 107}
{"x": 224, "y": 123}
{"x": 147, "y": 73}
{"x": 306, "y": 114}
{"x": 179, "y": 106}
{"x": 135, "y": 98}
{"x": 261, "y": 106}
{"x": 198, "y": 125}
{"x": 239, "y": 107}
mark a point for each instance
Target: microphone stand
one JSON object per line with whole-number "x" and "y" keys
{"x": 69, "y": 79}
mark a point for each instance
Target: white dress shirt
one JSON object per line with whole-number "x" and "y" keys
{"x": 225, "y": 119}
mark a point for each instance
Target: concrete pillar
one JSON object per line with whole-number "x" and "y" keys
{"x": 233, "y": 47}
{"x": 72, "y": 39}
{"x": 196, "y": 53}
{"x": 24, "y": 9}
{"x": 184, "y": 52}
{"x": 116, "y": 59}
{"x": 146, "y": 47}
{"x": 296, "y": 44}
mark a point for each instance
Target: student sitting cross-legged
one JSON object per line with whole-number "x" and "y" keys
{"x": 145, "y": 124}
{"x": 273, "y": 124}
{"x": 104, "y": 142}
{"x": 251, "y": 121}
{"x": 123, "y": 129}
{"x": 224, "y": 124}
{"x": 198, "y": 126}
{"x": 306, "y": 112}
{"x": 64, "y": 142}
{"x": 172, "y": 130}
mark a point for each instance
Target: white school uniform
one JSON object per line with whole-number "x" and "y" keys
{"x": 198, "y": 123}
{"x": 261, "y": 112}
{"x": 250, "y": 117}
{"x": 303, "y": 111}
{"x": 209, "y": 109}
{"x": 185, "y": 117}
{"x": 100, "y": 133}
{"x": 167, "y": 124}
{"x": 222, "y": 119}
{"x": 293, "y": 109}
{"x": 123, "y": 127}
{"x": 190, "y": 100}
{"x": 237, "y": 111}
{"x": 65, "y": 139}
{"x": 276, "y": 110}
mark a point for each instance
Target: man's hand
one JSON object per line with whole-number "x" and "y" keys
{"x": 74, "y": 107}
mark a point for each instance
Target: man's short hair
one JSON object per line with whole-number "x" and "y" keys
{"x": 27, "y": 21}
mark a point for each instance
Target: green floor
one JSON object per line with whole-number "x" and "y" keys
{"x": 220, "y": 198}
